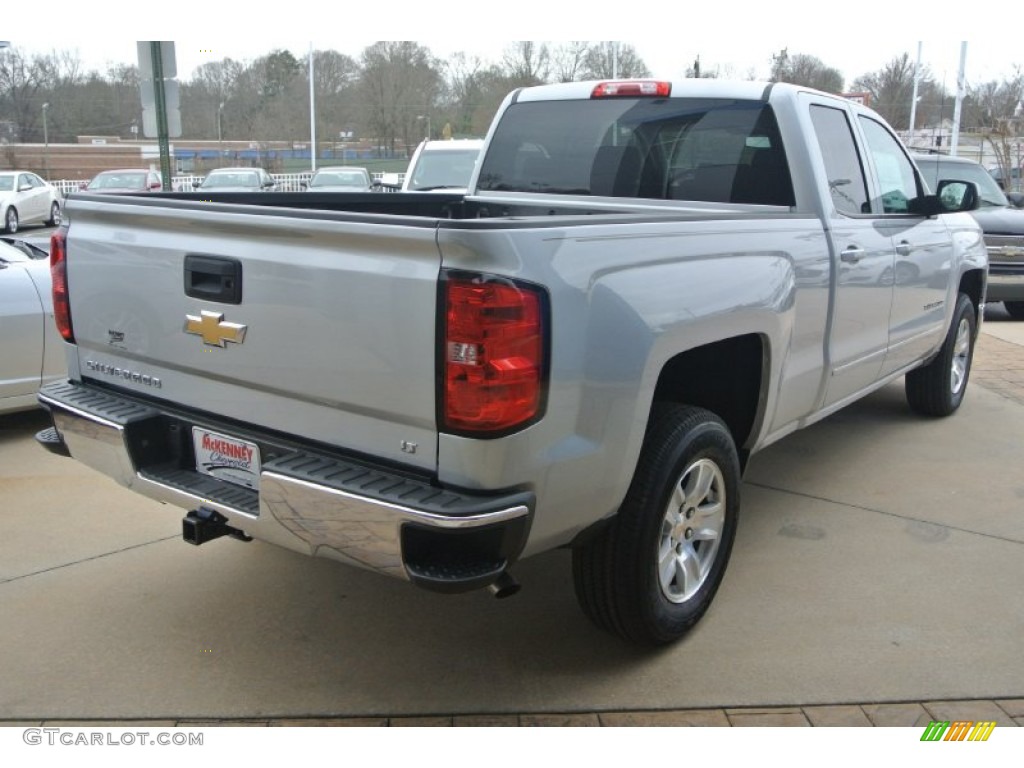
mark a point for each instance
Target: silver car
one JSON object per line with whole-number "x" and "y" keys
{"x": 340, "y": 179}
{"x": 27, "y": 199}
{"x": 237, "y": 180}
{"x": 31, "y": 352}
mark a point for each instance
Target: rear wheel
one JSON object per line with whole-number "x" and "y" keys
{"x": 651, "y": 574}
{"x": 1015, "y": 309}
{"x": 937, "y": 389}
{"x": 11, "y": 220}
{"x": 54, "y": 220}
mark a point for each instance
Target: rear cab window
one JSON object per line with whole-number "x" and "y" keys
{"x": 709, "y": 150}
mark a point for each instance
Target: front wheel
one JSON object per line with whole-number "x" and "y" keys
{"x": 937, "y": 389}
{"x": 651, "y": 574}
{"x": 54, "y": 220}
{"x": 11, "y": 220}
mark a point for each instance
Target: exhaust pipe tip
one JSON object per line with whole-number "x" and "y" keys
{"x": 504, "y": 586}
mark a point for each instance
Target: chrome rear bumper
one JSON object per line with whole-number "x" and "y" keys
{"x": 318, "y": 503}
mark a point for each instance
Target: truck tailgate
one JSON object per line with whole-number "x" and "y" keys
{"x": 310, "y": 323}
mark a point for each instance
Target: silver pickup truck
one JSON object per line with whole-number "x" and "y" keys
{"x": 646, "y": 283}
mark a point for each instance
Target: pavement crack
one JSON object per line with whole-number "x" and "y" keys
{"x": 86, "y": 560}
{"x": 895, "y": 515}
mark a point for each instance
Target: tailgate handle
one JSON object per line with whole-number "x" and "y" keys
{"x": 213, "y": 278}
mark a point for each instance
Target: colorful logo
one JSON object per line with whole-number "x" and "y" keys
{"x": 958, "y": 730}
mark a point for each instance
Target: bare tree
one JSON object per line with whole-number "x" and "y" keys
{"x": 335, "y": 77}
{"x": 987, "y": 104}
{"x": 609, "y": 59}
{"x": 996, "y": 111}
{"x": 210, "y": 100}
{"x": 526, "y": 63}
{"x": 891, "y": 90}
{"x": 22, "y": 93}
{"x": 568, "y": 61}
{"x": 802, "y": 69}
{"x": 398, "y": 86}
{"x": 473, "y": 90}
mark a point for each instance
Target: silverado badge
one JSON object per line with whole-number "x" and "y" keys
{"x": 213, "y": 329}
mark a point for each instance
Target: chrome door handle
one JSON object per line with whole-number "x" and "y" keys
{"x": 852, "y": 255}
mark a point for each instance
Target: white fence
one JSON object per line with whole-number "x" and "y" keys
{"x": 286, "y": 182}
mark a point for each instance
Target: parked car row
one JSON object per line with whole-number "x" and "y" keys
{"x": 436, "y": 166}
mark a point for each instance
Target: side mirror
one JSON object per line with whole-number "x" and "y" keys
{"x": 304, "y": 185}
{"x": 958, "y": 195}
{"x": 952, "y": 196}
{"x": 195, "y": 184}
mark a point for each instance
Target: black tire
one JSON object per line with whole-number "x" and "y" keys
{"x": 938, "y": 388}
{"x": 11, "y": 220}
{"x": 54, "y": 220}
{"x": 630, "y": 578}
{"x": 1015, "y": 309}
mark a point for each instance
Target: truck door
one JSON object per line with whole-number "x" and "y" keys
{"x": 862, "y": 257}
{"x": 923, "y": 249}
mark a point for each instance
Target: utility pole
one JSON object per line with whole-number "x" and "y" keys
{"x": 312, "y": 115}
{"x": 960, "y": 87}
{"x": 913, "y": 99}
{"x": 46, "y": 143}
{"x": 161, "y": 117}
{"x": 161, "y": 113}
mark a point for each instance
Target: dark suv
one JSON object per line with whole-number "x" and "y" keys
{"x": 1002, "y": 224}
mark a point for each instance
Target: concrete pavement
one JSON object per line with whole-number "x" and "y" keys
{"x": 875, "y": 581}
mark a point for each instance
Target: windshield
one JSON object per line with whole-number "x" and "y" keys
{"x": 936, "y": 169}
{"x": 711, "y": 150}
{"x": 339, "y": 179}
{"x": 118, "y": 181}
{"x": 240, "y": 179}
{"x": 6, "y": 183}
{"x": 443, "y": 168}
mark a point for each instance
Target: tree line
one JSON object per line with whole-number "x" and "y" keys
{"x": 394, "y": 92}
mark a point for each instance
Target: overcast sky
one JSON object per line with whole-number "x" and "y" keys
{"x": 738, "y": 36}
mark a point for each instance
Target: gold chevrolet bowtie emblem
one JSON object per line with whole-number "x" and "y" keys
{"x": 213, "y": 329}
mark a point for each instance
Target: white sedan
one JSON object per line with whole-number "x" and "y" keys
{"x": 31, "y": 351}
{"x": 27, "y": 199}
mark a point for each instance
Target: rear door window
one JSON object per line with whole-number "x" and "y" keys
{"x": 846, "y": 181}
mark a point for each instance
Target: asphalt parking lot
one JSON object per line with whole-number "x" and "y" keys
{"x": 876, "y": 578}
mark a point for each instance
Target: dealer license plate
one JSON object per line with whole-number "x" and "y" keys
{"x": 227, "y": 458}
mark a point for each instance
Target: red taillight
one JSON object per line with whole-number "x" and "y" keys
{"x": 59, "y": 282}
{"x": 631, "y": 88}
{"x": 493, "y": 355}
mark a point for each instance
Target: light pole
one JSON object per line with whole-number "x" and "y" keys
{"x": 220, "y": 133}
{"x": 427, "y": 118}
{"x": 46, "y": 143}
